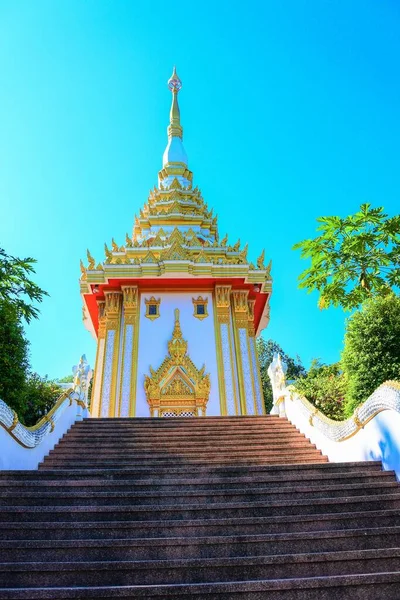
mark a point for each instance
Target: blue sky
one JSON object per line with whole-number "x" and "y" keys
{"x": 290, "y": 111}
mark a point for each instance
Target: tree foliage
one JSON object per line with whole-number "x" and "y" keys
{"x": 14, "y": 362}
{"x": 325, "y": 387}
{"x": 371, "y": 353}
{"x": 266, "y": 350}
{"x": 16, "y": 287}
{"x": 66, "y": 379}
{"x": 39, "y": 395}
{"x": 30, "y": 395}
{"x": 353, "y": 258}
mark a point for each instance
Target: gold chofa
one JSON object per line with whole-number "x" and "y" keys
{"x": 177, "y": 387}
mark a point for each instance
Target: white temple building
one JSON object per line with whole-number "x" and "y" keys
{"x": 176, "y": 310}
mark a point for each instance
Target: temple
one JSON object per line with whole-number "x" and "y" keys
{"x": 175, "y": 309}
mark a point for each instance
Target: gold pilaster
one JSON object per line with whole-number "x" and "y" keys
{"x": 240, "y": 321}
{"x": 250, "y": 312}
{"x": 113, "y": 319}
{"x": 219, "y": 317}
{"x": 255, "y": 362}
{"x": 225, "y": 349}
{"x": 250, "y": 342}
{"x": 98, "y": 369}
{"x": 129, "y": 351}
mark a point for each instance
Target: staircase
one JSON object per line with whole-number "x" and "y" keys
{"x": 203, "y": 508}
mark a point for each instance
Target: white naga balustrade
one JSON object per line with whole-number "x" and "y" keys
{"x": 25, "y": 447}
{"x": 371, "y": 433}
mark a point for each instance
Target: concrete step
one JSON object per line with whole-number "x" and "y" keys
{"x": 184, "y": 510}
{"x": 248, "y": 494}
{"x": 199, "y": 547}
{"x": 129, "y": 443}
{"x": 181, "y": 422}
{"x": 120, "y": 447}
{"x": 212, "y": 482}
{"x": 371, "y": 586}
{"x": 120, "y": 453}
{"x": 54, "y": 464}
{"x": 202, "y": 570}
{"x": 242, "y": 507}
{"x": 194, "y": 425}
{"x": 118, "y": 529}
{"x": 205, "y": 469}
{"x": 223, "y": 430}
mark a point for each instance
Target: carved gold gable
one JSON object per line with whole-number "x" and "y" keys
{"x": 177, "y": 387}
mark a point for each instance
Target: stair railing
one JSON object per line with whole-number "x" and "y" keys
{"x": 371, "y": 433}
{"x": 77, "y": 394}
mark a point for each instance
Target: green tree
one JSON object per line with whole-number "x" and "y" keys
{"x": 30, "y": 395}
{"x": 353, "y": 258}
{"x": 325, "y": 387}
{"x": 371, "y": 352}
{"x": 39, "y": 396}
{"x": 266, "y": 350}
{"x": 66, "y": 379}
{"x": 14, "y": 361}
{"x": 16, "y": 288}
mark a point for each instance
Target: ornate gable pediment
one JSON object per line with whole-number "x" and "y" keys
{"x": 175, "y": 252}
{"x": 177, "y": 386}
{"x": 149, "y": 258}
{"x": 176, "y": 236}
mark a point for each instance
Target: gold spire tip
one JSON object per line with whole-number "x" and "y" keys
{"x": 174, "y": 83}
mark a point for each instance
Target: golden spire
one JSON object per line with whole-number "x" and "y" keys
{"x": 174, "y": 128}
{"x": 177, "y": 346}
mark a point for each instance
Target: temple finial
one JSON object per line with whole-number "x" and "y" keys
{"x": 175, "y": 128}
{"x": 174, "y": 156}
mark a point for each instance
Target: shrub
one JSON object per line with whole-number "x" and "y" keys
{"x": 38, "y": 396}
{"x": 371, "y": 353}
{"x": 325, "y": 387}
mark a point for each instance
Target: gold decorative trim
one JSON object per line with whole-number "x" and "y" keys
{"x": 235, "y": 375}
{"x": 98, "y": 368}
{"x": 134, "y": 365}
{"x": 152, "y": 302}
{"x": 101, "y": 307}
{"x": 113, "y": 323}
{"x": 223, "y": 302}
{"x": 177, "y": 384}
{"x": 130, "y": 305}
{"x": 220, "y": 361}
{"x": 240, "y": 321}
{"x": 200, "y": 302}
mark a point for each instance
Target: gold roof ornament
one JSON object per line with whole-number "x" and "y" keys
{"x": 175, "y": 128}
{"x": 90, "y": 261}
{"x": 260, "y": 261}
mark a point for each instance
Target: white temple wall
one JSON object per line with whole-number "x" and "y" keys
{"x": 154, "y": 336}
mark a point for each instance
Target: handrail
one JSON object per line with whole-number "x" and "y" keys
{"x": 385, "y": 397}
{"x": 30, "y": 437}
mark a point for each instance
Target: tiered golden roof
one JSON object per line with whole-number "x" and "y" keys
{"x": 175, "y": 232}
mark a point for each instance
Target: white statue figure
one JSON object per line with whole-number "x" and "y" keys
{"x": 82, "y": 376}
{"x": 277, "y": 374}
